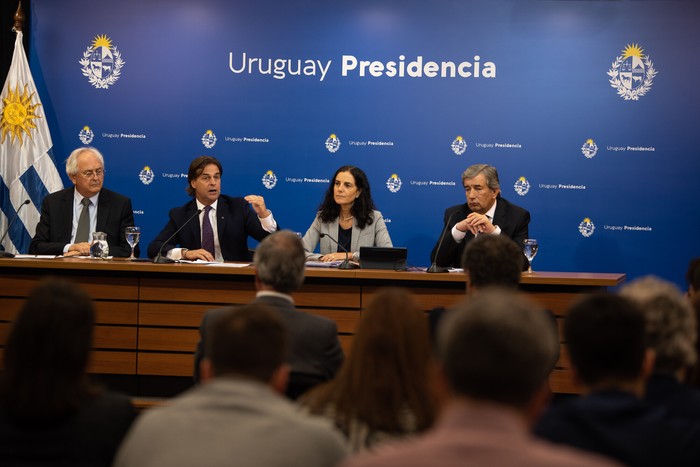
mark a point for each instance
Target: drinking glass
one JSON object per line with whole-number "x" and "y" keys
{"x": 530, "y": 247}
{"x": 132, "y": 238}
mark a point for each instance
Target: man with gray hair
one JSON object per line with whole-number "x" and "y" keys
{"x": 315, "y": 353}
{"x": 485, "y": 212}
{"x": 69, "y": 216}
{"x": 494, "y": 355}
{"x": 671, "y": 332}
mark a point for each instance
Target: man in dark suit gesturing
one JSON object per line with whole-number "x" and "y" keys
{"x": 68, "y": 217}
{"x": 224, "y": 225}
{"x": 315, "y": 353}
{"x": 485, "y": 212}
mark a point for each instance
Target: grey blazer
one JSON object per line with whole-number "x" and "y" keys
{"x": 375, "y": 234}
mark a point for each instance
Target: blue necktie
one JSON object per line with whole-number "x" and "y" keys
{"x": 207, "y": 232}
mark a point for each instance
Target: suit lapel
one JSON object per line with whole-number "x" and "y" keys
{"x": 500, "y": 217}
{"x": 194, "y": 227}
{"x": 221, "y": 208}
{"x": 103, "y": 213}
{"x": 66, "y": 210}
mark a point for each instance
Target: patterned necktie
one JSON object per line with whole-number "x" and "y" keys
{"x": 83, "y": 232}
{"x": 207, "y": 232}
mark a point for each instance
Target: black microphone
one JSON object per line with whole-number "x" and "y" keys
{"x": 5, "y": 254}
{"x": 345, "y": 264}
{"x": 160, "y": 259}
{"x": 434, "y": 267}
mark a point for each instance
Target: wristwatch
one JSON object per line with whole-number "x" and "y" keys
{"x": 183, "y": 252}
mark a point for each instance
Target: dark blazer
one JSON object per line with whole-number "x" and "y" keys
{"x": 513, "y": 221}
{"x": 114, "y": 214}
{"x": 235, "y": 223}
{"x": 315, "y": 353}
{"x": 89, "y": 437}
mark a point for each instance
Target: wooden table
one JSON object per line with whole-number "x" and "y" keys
{"x": 148, "y": 314}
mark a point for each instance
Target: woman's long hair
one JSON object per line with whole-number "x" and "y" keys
{"x": 47, "y": 353}
{"x": 361, "y": 209}
{"x": 385, "y": 376}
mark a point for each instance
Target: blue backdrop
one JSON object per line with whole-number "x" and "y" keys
{"x": 588, "y": 109}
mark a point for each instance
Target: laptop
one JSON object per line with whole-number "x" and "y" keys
{"x": 375, "y": 257}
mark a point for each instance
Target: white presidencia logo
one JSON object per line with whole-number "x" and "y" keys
{"x": 632, "y": 73}
{"x": 522, "y": 186}
{"x": 209, "y": 139}
{"x": 459, "y": 146}
{"x": 589, "y": 148}
{"x": 269, "y": 180}
{"x": 394, "y": 183}
{"x": 586, "y": 227}
{"x": 86, "y": 135}
{"x": 102, "y": 62}
{"x": 146, "y": 175}
{"x": 332, "y": 143}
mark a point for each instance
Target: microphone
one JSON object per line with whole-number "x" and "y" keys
{"x": 346, "y": 264}
{"x": 5, "y": 254}
{"x": 434, "y": 267}
{"x": 160, "y": 259}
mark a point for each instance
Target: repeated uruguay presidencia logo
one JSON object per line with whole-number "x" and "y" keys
{"x": 332, "y": 143}
{"x": 632, "y": 73}
{"x": 459, "y": 146}
{"x": 146, "y": 175}
{"x": 522, "y": 186}
{"x": 589, "y": 148}
{"x": 586, "y": 227}
{"x": 209, "y": 139}
{"x": 86, "y": 135}
{"x": 269, "y": 180}
{"x": 394, "y": 183}
{"x": 102, "y": 62}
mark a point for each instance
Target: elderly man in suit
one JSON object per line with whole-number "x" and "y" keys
{"x": 485, "y": 212}
{"x": 315, "y": 353}
{"x": 69, "y": 216}
{"x": 225, "y": 222}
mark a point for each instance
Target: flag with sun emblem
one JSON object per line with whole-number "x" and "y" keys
{"x": 27, "y": 169}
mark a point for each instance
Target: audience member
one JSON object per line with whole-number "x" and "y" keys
{"x": 69, "y": 216}
{"x": 347, "y": 215}
{"x": 488, "y": 261}
{"x": 671, "y": 331}
{"x": 381, "y": 391}
{"x": 485, "y": 212}
{"x": 49, "y": 413}
{"x": 692, "y": 278}
{"x": 224, "y": 225}
{"x": 606, "y": 339}
{"x": 237, "y": 416}
{"x": 494, "y": 353}
{"x": 315, "y": 353}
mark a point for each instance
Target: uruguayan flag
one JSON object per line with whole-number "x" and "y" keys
{"x": 27, "y": 168}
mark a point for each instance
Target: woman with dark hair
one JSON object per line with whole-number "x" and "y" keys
{"x": 347, "y": 215}
{"x": 381, "y": 391}
{"x": 49, "y": 413}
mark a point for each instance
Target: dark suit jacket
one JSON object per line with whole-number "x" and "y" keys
{"x": 513, "y": 221}
{"x": 236, "y": 221}
{"x": 315, "y": 353}
{"x": 114, "y": 214}
{"x": 89, "y": 437}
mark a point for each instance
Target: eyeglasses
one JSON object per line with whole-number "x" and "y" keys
{"x": 93, "y": 173}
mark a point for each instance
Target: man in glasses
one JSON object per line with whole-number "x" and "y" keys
{"x": 69, "y": 216}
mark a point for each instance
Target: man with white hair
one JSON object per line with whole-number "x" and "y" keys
{"x": 69, "y": 216}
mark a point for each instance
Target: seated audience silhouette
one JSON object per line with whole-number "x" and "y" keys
{"x": 49, "y": 413}
{"x": 237, "y": 416}
{"x": 494, "y": 354}
{"x": 671, "y": 332}
{"x": 315, "y": 353}
{"x": 381, "y": 391}
{"x": 606, "y": 339}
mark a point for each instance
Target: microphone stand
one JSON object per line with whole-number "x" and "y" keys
{"x": 346, "y": 264}
{"x": 160, "y": 259}
{"x": 434, "y": 267}
{"x": 7, "y": 254}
